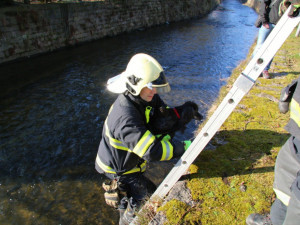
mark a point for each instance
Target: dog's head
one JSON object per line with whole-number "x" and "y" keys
{"x": 189, "y": 111}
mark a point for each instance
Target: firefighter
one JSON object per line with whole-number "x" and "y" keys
{"x": 127, "y": 143}
{"x": 286, "y": 207}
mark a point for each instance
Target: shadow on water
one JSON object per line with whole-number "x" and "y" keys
{"x": 53, "y": 108}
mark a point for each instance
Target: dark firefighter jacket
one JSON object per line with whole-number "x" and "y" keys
{"x": 287, "y": 168}
{"x": 127, "y": 143}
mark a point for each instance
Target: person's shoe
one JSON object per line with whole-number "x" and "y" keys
{"x": 258, "y": 219}
{"x": 266, "y": 74}
{"x": 122, "y": 208}
{"x": 121, "y": 220}
{"x": 127, "y": 216}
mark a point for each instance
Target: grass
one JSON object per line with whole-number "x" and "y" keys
{"x": 236, "y": 178}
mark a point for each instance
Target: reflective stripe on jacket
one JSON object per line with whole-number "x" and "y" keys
{"x": 108, "y": 169}
{"x": 293, "y": 126}
{"x": 126, "y": 142}
{"x": 295, "y": 111}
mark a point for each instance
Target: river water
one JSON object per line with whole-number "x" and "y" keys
{"x": 53, "y": 108}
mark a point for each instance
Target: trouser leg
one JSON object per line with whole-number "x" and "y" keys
{"x": 138, "y": 186}
{"x": 263, "y": 33}
{"x": 138, "y": 189}
{"x": 278, "y": 212}
{"x": 293, "y": 211}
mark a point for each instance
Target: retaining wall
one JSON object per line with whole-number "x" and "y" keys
{"x": 27, "y": 30}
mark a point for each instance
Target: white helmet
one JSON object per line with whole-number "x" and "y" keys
{"x": 142, "y": 71}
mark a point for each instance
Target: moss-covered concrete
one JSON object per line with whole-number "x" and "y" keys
{"x": 236, "y": 178}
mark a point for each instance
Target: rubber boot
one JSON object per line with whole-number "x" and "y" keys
{"x": 128, "y": 215}
{"x": 122, "y": 208}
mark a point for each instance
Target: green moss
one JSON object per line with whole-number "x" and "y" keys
{"x": 236, "y": 178}
{"x": 174, "y": 210}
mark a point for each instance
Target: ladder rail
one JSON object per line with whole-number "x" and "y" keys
{"x": 242, "y": 86}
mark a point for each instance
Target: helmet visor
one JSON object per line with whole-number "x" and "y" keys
{"x": 161, "y": 84}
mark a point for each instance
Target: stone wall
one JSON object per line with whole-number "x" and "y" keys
{"x": 254, "y": 4}
{"x": 27, "y": 30}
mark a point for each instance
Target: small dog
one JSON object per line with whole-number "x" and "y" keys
{"x": 170, "y": 120}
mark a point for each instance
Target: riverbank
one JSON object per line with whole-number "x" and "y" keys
{"x": 234, "y": 176}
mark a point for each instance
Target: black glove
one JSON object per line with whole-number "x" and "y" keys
{"x": 286, "y": 97}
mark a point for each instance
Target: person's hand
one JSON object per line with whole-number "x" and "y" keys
{"x": 266, "y": 25}
{"x": 294, "y": 11}
{"x": 187, "y": 144}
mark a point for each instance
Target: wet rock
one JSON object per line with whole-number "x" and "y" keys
{"x": 243, "y": 187}
{"x": 180, "y": 192}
